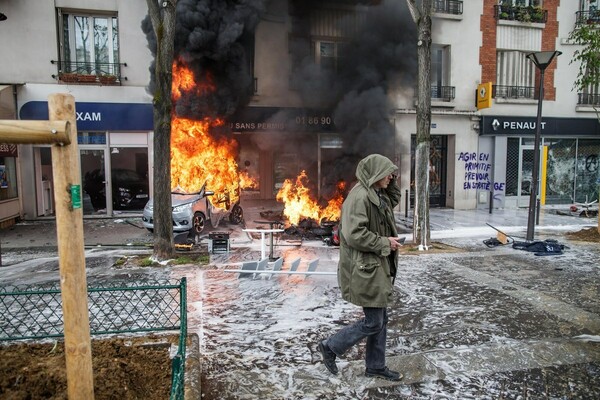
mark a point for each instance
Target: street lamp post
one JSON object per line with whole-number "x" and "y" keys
{"x": 541, "y": 59}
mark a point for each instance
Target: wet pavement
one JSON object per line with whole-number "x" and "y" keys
{"x": 475, "y": 322}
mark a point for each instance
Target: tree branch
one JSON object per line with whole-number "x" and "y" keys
{"x": 414, "y": 11}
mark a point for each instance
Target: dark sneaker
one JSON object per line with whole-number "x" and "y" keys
{"x": 384, "y": 373}
{"x": 328, "y": 357}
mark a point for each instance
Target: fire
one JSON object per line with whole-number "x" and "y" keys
{"x": 247, "y": 181}
{"x": 299, "y": 204}
{"x": 334, "y": 205}
{"x": 196, "y": 156}
{"x": 184, "y": 80}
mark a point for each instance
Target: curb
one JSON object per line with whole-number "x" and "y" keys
{"x": 193, "y": 368}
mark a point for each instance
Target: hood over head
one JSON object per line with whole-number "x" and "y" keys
{"x": 373, "y": 168}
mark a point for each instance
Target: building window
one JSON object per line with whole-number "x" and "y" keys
{"x": 515, "y": 77}
{"x": 522, "y": 3}
{"x": 8, "y": 178}
{"x": 521, "y": 10}
{"x": 89, "y": 44}
{"x": 560, "y": 177}
{"x": 440, "y": 73}
{"x": 587, "y": 173}
{"x": 573, "y": 170}
{"x": 590, "y": 96}
{"x": 448, "y": 6}
{"x": 328, "y": 54}
{"x": 322, "y": 40}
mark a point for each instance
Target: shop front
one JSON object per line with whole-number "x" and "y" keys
{"x": 10, "y": 203}
{"x": 569, "y": 151}
{"x": 114, "y": 145}
{"x": 279, "y": 143}
{"x": 9, "y": 194}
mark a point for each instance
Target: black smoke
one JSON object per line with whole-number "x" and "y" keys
{"x": 215, "y": 39}
{"x": 379, "y": 58}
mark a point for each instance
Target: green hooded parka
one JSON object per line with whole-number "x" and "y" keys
{"x": 367, "y": 264}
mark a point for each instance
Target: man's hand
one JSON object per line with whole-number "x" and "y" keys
{"x": 394, "y": 243}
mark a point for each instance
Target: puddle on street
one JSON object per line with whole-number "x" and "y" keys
{"x": 258, "y": 336}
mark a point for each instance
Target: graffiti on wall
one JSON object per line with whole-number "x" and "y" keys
{"x": 478, "y": 172}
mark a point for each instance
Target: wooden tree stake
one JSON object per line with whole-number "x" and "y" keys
{"x": 69, "y": 231}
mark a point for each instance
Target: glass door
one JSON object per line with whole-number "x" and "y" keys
{"x": 94, "y": 183}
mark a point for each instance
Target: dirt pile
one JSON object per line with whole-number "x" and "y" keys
{"x": 124, "y": 368}
{"x": 585, "y": 235}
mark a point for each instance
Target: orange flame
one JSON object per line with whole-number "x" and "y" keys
{"x": 196, "y": 156}
{"x": 334, "y": 206}
{"x": 184, "y": 80}
{"x": 247, "y": 181}
{"x": 299, "y": 203}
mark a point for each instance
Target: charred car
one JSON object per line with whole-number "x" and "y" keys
{"x": 192, "y": 211}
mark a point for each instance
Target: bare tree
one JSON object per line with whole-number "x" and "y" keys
{"x": 422, "y": 17}
{"x": 162, "y": 14}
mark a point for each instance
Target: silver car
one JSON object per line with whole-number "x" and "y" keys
{"x": 190, "y": 211}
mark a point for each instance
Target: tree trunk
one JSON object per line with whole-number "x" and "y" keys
{"x": 163, "y": 23}
{"x": 422, "y": 18}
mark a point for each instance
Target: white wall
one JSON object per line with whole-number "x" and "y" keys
{"x": 28, "y": 39}
{"x": 464, "y": 37}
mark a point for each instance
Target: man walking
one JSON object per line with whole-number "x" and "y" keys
{"x": 367, "y": 266}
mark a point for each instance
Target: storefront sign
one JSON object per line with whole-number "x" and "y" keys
{"x": 269, "y": 119}
{"x": 8, "y": 150}
{"x": 99, "y": 116}
{"x": 484, "y": 95}
{"x": 519, "y": 126}
{"x": 139, "y": 117}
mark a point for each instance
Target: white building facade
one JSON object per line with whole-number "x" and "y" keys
{"x": 479, "y": 158}
{"x": 94, "y": 50}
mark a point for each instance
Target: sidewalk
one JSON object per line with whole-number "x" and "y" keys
{"x": 448, "y": 223}
{"x": 106, "y": 232}
{"x": 445, "y": 223}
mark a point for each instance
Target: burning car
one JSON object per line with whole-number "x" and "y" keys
{"x": 191, "y": 212}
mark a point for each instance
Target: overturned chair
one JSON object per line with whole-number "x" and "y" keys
{"x": 256, "y": 269}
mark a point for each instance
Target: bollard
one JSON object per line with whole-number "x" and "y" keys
{"x": 491, "y": 200}
{"x": 406, "y": 204}
{"x": 537, "y": 209}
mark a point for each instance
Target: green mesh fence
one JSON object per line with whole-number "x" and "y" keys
{"x": 35, "y": 312}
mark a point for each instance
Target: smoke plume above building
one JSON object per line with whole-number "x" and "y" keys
{"x": 379, "y": 55}
{"x": 213, "y": 38}
{"x": 376, "y": 55}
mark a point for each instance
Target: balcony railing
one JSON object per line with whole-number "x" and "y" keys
{"x": 89, "y": 72}
{"x": 443, "y": 93}
{"x": 513, "y": 92}
{"x": 587, "y": 17}
{"x": 448, "y": 7}
{"x": 520, "y": 13}
{"x": 588, "y": 99}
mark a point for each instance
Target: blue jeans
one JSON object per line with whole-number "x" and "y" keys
{"x": 373, "y": 327}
